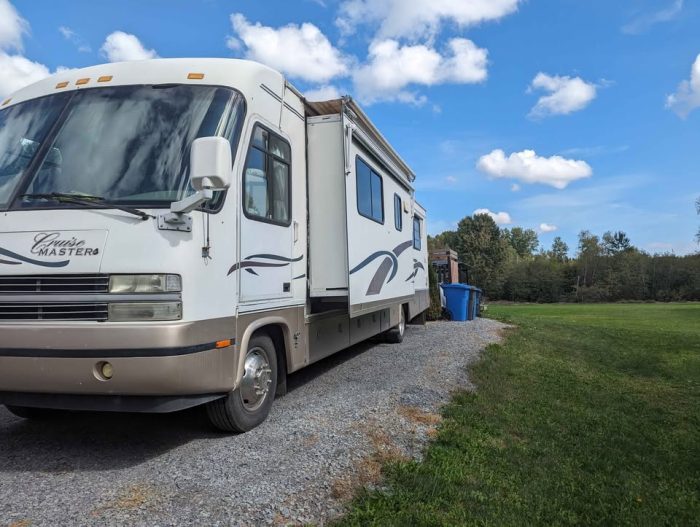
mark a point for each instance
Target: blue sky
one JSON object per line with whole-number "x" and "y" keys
{"x": 566, "y": 114}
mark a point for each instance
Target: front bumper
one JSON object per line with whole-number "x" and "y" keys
{"x": 147, "y": 359}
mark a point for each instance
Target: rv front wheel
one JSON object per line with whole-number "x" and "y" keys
{"x": 248, "y": 405}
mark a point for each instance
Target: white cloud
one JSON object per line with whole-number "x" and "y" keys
{"x": 451, "y": 180}
{"x": 547, "y": 227}
{"x": 687, "y": 97}
{"x": 566, "y": 95}
{"x": 12, "y": 27}
{"x": 501, "y": 218}
{"x": 120, "y": 46}
{"x": 299, "y": 51}
{"x": 75, "y": 39}
{"x": 326, "y": 92}
{"x": 419, "y": 18}
{"x": 17, "y": 72}
{"x": 515, "y": 187}
{"x": 391, "y": 68}
{"x": 528, "y": 167}
{"x": 644, "y": 22}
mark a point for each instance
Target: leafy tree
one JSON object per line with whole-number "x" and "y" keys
{"x": 559, "y": 250}
{"x": 444, "y": 240}
{"x": 482, "y": 247}
{"x": 617, "y": 242}
{"x": 524, "y": 241}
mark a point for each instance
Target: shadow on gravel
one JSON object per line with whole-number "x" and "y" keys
{"x": 98, "y": 441}
{"x": 90, "y": 441}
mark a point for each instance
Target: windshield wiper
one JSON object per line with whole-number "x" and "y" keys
{"x": 88, "y": 200}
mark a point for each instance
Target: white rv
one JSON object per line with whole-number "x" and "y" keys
{"x": 189, "y": 231}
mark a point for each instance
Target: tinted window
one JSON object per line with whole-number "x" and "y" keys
{"x": 266, "y": 181}
{"x": 23, "y": 128}
{"x": 398, "y": 213}
{"x": 370, "y": 192}
{"x": 416, "y": 232}
{"x": 132, "y": 143}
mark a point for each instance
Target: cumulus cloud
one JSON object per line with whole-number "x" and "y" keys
{"x": 120, "y": 46}
{"x": 528, "y": 167}
{"x": 419, "y": 18}
{"x": 326, "y": 92}
{"x": 501, "y": 218}
{"x": 565, "y": 95}
{"x": 515, "y": 187}
{"x": 687, "y": 96}
{"x": 391, "y": 68}
{"x": 300, "y": 51}
{"x": 17, "y": 72}
{"x": 547, "y": 227}
{"x": 12, "y": 27}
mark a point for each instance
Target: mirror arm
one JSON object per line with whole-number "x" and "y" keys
{"x": 178, "y": 218}
{"x": 191, "y": 202}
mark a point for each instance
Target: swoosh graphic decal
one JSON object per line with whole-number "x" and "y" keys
{"x": 401, "y": 248}
{"x": 275, "y": 257}
{"x": 364, "y": 263}
{"x": 375, "y": 286}
{"x": 5, "y": 252}
{"x": 8, "y": 262}
{"x": 300, "y": 276}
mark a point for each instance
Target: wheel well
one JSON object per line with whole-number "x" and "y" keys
{"x": 276, "y": 333}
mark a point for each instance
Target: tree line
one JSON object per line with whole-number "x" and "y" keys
{"x": 510, "y": 264}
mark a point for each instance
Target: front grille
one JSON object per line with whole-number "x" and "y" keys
{"x": 53, "y": 311}
{"x": 62, "y": 283}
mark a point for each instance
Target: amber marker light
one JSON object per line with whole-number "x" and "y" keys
{"x": 195, "y": 76}
{"x": 61, "y": 84}
{"x": 223, "y": 343}
{"x": 80, "y": 82}
{"x": 104, "y": 78}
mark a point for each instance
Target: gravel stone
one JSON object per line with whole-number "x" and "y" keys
{"x": 341, "y": 418}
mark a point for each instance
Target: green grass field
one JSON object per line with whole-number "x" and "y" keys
{"x": 586, "y": 414}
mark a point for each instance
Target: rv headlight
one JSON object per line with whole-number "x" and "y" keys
{"x": 145, "y": 283}
{"x": 144, "y": 311}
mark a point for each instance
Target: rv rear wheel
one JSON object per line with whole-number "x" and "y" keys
{"x": 248, "y": 405}
{"x": 395, "y": 334}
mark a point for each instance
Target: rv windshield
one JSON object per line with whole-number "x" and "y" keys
{"x": 127, "y": 144}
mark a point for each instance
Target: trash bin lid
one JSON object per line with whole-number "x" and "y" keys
{"x": 456, "y": 286}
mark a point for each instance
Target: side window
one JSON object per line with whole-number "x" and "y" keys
{"x": 416, "y": 232}
{"x": 266, "y": 180}
{"x": 398, "y": 212}
{"x": 370, "y": 192}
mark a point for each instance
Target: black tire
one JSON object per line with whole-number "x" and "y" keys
{"x": 395, "y": 334}
{"x": 234, "y": 414}
{"x": 26, "y": 412}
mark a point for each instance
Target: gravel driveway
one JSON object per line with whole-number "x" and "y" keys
{"x": 341, "y": 419}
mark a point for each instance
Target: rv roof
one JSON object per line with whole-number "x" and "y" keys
{"x": 338, "y": 106}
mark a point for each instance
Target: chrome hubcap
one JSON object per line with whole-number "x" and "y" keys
{"x": 256, "y": 381}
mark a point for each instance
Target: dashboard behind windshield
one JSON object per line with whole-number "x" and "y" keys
{"x": 128, "y": 144}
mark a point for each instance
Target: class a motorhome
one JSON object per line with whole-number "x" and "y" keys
{"x": 183, "y": 232}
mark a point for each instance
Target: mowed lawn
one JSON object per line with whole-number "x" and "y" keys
{"x": 586, "y": 414}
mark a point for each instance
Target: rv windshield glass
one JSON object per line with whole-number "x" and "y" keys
{"x": 127, "y": 144}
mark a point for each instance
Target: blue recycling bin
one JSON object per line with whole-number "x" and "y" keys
{"x": 477, "y": 302}
{"x": 474, "y": 303}
{"x": 457, "y": 297}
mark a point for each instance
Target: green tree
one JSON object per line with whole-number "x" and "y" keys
{"x": 559, "y": 250}
{"x": 482, "y": 248}
{"x": 524, "y": 241}
{"x": 616, "y": 242}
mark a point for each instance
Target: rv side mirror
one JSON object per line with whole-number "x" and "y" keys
{"x": 210, "y": 163}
